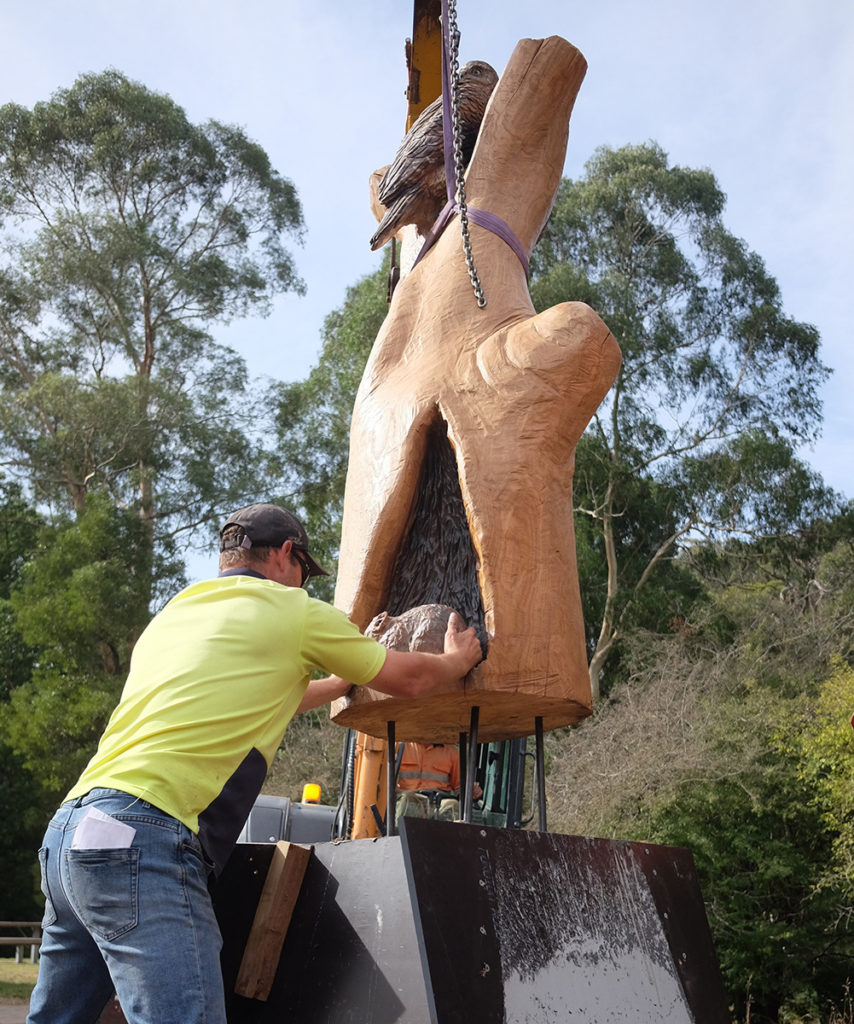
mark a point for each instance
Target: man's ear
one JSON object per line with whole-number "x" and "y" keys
{"x": 285, "y": 552}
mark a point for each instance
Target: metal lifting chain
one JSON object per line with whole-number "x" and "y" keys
{"x": 459, "y": 167}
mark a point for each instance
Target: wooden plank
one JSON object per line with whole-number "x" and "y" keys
{"x": 264, "y": 945}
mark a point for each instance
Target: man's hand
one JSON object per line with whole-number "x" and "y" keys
{"x": 462, "y": 643}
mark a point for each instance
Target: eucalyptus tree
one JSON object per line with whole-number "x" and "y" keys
{"x": 21, "y": 806}
{"x": 313, "y": 417}
{"x": 127, "y": 232}
{"x": 717, "y": 389}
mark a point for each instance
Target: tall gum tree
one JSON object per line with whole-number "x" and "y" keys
{"x": 717, "y": 389}
{"x": 126, "y": 232}
{"x": 312, "y": 419}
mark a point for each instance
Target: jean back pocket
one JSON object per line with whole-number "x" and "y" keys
{"x": 103, "y": 888}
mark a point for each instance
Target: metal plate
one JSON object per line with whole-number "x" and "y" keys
{"x": 527, "y": 926}
{"x": 350, "y": 954}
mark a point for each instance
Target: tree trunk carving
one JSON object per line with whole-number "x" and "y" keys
{"x": 501, "y": 395}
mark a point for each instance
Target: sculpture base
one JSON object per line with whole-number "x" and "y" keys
{"x": 442, "y": 717}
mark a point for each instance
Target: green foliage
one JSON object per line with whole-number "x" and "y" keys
{"x": 799, "y": 557}
{"x": 822, "y": 740}
{"x": 759, "y": 845}
{"x": 174, "y": 202}
{"x": 54, "y": 722}
{"x": 717, "y": 386}
{"x": 79, "y": 604}
{"x": 18, "y": 531}
{"x": 17, "y": 658}
{"x": 21, "y": 795}
{"x": 313, "y": 418}
{"x": 127, "y": 231}
{"x": 697, "y": 317}
{"x": 19, "y": 526}
{"x": 83, "y": 597}
{"x": 782, "y": 604}
{"x": 752, "y": 484}
{"x": 24, "y": 810}
{"x": 649, "y": 516}
{"x": 833, "y": 581}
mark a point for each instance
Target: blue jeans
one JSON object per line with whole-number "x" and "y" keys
{"x": 138, "y": 921}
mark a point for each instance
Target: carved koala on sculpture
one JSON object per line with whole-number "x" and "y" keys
{"x": 416, "y": 629}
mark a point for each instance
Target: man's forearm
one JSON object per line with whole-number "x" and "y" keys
{"x": 413, "y": 673}
{"x": 322, "y": 691}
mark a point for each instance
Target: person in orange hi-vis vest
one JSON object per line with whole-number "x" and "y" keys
{"x": 428, "y": 782}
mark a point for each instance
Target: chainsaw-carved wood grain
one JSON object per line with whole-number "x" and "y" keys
{"x": 510, "y": 391}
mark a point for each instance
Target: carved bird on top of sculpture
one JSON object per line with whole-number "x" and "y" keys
{"x": 413, "y": 189}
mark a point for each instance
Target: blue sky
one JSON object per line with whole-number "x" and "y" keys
{"x": 760, "y": 92}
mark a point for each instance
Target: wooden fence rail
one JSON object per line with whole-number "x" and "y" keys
{"x": 29, "y": 934}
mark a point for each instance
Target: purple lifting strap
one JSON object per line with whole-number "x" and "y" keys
{"x": 491, "y": 221}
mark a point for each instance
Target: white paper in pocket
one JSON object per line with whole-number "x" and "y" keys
{"x": 99, "y": 831}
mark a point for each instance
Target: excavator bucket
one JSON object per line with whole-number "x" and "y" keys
{"x": 453, "y": 923}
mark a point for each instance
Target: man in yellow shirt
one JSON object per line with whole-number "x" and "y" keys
{"x": 213, "y": 682}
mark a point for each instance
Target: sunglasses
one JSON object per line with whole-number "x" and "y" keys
{"x": 305, "y": 568}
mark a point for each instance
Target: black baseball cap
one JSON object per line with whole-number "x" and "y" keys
{"x": 265, "y": 525}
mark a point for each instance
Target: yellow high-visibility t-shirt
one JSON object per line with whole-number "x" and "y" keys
{"x": 214, "y": 680}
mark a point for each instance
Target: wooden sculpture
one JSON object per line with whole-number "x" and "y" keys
{"x": 459, "y": 489}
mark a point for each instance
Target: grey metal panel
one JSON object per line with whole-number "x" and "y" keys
{"x": 276, "y": 817}
{"x": 267, "y": 821}
{"x": 350, "y": 954}
{"x": 310, "y": 823}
